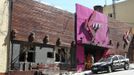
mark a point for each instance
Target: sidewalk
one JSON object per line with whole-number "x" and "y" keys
{"x": 83, "y": 73}
{"x": 131, "y": 66}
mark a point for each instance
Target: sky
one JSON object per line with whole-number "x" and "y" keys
{"x": 69, "y": 5}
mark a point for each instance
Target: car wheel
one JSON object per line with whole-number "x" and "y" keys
{"x": 126, "y": 66}
{"x": 109, "y": 69}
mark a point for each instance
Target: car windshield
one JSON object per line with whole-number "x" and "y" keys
{"x": 105, "y": 59}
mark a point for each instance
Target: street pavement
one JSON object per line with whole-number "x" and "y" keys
{"x": 117, "y": 72}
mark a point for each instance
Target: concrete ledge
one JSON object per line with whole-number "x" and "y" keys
{"x": 21, "y": 72}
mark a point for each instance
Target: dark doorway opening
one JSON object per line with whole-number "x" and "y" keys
{"x": 92, "y": 54}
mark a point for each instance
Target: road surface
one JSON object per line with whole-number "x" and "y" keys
{"x": 118, "y": 72}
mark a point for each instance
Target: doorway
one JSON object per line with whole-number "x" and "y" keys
{"x": 92, "y": 54}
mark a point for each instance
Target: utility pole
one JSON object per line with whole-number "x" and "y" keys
{"x": 10, "y": 51}
{"x": 105, "y": 2}
{"x": 113, "y": 5}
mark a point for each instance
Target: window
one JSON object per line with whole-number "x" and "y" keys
{"x": 31, "y": 57}
{"x": 29, "y": 53}
{"x": 61, "y": 55}
{"x": 115, "y": 58}
{"x": 57, "y": 57}
{"x": 110, "y": 43}
{"x": 22, "y": 56}
{"x": 121, "y": 57}
{"x": 110, "y": 15}
{"x": 50, "y": 55}
{"x": 118, "y": 44}
{"x": 124, "y": 46}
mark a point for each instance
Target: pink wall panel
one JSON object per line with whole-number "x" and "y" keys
{"x": 84, "y": 36}
{"x": 80, "y": 57}
{"x": 82, "y": 14}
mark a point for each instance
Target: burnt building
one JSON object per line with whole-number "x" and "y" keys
{"x": 41, "y": 34}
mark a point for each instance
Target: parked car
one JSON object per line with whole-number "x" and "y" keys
{"x": 111, "y": 63}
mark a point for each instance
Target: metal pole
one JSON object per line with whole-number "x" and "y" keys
{"x": 11, "y": 68}
{"x": 10, "y": 52}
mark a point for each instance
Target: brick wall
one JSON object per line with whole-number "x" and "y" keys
{"x": 31, "y": 16}
{"x": 116, "y": 32}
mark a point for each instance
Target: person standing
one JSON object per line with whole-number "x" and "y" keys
{"x": 89, "y": 61}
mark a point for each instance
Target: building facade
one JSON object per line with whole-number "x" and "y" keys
{"x": 123, "y": 11}
{"x": 119, "y": 27}
{"x": 101, "y": 36}
{"x": 91, "y": 36}
{"x": 40, "y": 34}
{"x": 117, "y": 31}
{"x": 44, "y": 35}
{"x": 4, "y": 36}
